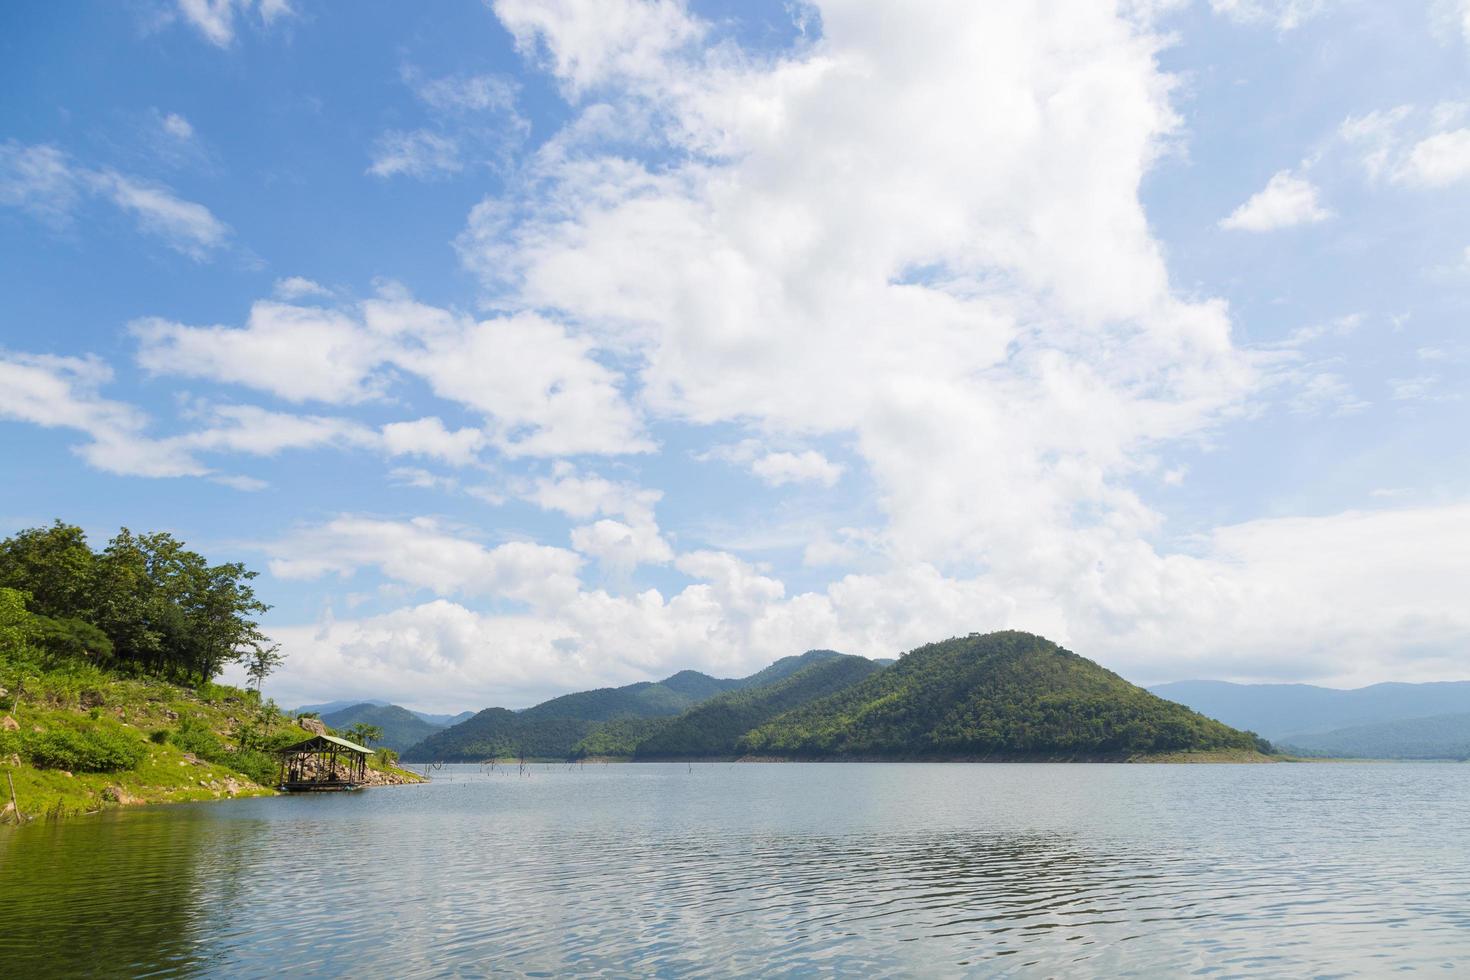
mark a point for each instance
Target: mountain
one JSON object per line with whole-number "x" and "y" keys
{"x": 714, "y": 727}
{"x": 646, "y": 699}
{"x": 1284, "y": 712}
{"x": 1437, "y": 737}
{"x": 443, "y": 721}
{"x": 401, "y": 728}
{"x": 555, "y": 728}
{"x": 331, "y": 706}
{"x": 438, "y": 721}
{"x": 1007, "y": 695}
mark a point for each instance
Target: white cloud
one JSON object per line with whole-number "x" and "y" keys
{"x": 808, "y": 466}
{"x": 1285, "y": 201}
{"x": 621, "y": 547}
{"x": 1284, "y": 15}
{"x": 587, "y": 43}
{"x": 63, "y": 392}
{"x": 1261, "y": 598}
{"x": 1411, "y": 146}
{"x": 293, "y": 288}
{"x": 777, "y": 468}
{"x": 38, "y": 179}
{"x": 429, "y": 437}
{"x": 424, "y": 554}
{"x": 186, "y": 226}
{"x": 422, "y": 154}
{"x": 1438, "y": 160}
{"x": 46, "y": 182}
{"x": 947, "y": 304}
{"x": 177, "y": 126}
{"x": 542, "y": 390}
{"x": 294, "y": 352}
{"x": 216, "y": 19}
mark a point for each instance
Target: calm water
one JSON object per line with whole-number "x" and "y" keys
{"x": 768, "y": 869}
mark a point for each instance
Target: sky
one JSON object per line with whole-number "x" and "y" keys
{"x": 537, "y": 345}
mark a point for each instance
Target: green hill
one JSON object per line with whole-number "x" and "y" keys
{"x": 714, "y": 728}
{"x": 401, "y": 727}
{"x": 557, "y": 729}
{"x": 997, "y": 695}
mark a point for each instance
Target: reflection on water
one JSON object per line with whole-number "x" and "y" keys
{"x": 1021, "y": 870}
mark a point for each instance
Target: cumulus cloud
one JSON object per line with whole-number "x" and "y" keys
{"x": 424, "y": 554}
{"x": 294, "y": 352}
{"x": 780, "y": 467}
{"x": 1416, "y": 147}
{"x": 543, "y": 391}
{"x": 1285, "y": 201}
{"x": 1439, "y": 160}
{"x": 1264, "y": 597}
{"x": 46, "y": 182}
{"x": 216, "y": 19}
{"x": 430, "y": 437}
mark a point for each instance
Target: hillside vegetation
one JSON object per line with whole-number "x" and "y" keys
{"x": 399, "y": 728}
{"x": 998, "y": 695}
{"x": 107, "y": 667}
{"x": 715, "y": 727}
{"x": 608, "y": 721}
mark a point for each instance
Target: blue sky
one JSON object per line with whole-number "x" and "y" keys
{"x": 528, "y": 346}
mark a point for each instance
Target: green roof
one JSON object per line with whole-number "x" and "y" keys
{"x": 330, "y": 738}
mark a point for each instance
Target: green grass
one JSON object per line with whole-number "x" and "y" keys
{"x": 89, "y": 741}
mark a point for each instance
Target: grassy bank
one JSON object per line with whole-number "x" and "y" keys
{"x": 79, "y": 740}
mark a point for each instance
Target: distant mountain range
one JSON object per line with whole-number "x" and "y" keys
{"x": 335, "y": 706}
{"x": 1435, "y": 737}
{"x": 401, "y": 728}
{"x": 997, "y": 695}
{"x": 1375, "y": 722}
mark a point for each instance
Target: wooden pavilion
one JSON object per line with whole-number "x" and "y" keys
{"x": 323, "y": 762}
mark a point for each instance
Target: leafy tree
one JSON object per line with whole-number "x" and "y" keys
{"x": 261, "y": 661}
{"x": 54, "y": 565}
{"x": 364, "y": 734}
{"x": 146, "y": 602}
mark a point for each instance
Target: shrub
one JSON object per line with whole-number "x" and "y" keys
{"x": 95, "y": 750}
{"x": 195, "y": 737}
{"x": 74, "y": 638}
{"x": 159, "y": 737}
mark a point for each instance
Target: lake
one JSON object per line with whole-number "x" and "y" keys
{"x": 718, "y": 869}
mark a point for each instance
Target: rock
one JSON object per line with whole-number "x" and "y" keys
{"x": 171, "y": 715}
{"x": 314, "y": 725}
{"x": 120, "y": 796}
{"x": 67, "y": 774}
{"x": 191, "y": 759}
{"x": 13, "y": 761}
{"x": 9, "y": 724}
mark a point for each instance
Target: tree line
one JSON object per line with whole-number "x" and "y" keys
{"x": 144, "y": 603}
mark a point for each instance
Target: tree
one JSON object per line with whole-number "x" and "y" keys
{"x": 53, "y": 564}
{"x": 261, "y": 661}
{"x": 364, "y": 734}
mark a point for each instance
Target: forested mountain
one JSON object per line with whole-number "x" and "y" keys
{"x": 607, "y": 719}
{"x": 1283, "y": 712}
{"x": 1437, "y": 737}
{"x": 1008, "y": 695}
{"x": 401, "y": 728}
{"x": 715, "y": 727}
